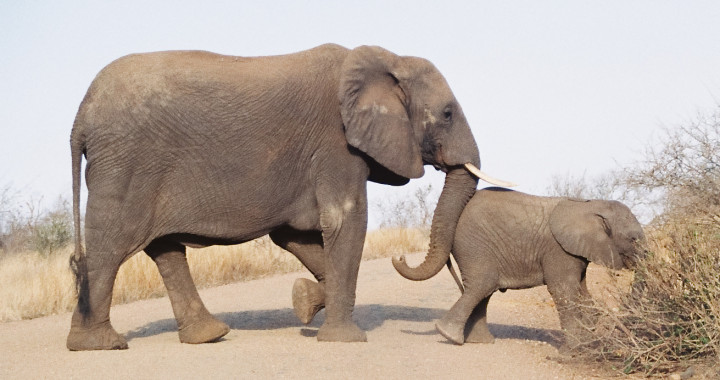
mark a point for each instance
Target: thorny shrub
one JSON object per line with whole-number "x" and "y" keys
{"x": 31, "y": 227}
{"x": 671, "y": 315}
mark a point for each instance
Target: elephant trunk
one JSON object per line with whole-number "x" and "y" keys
{"x": 459, "y": 187}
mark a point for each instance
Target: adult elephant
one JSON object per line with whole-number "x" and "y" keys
{"x": 191, "y": 148}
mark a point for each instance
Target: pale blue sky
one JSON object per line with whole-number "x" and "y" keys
{"x": 549, "y": 87}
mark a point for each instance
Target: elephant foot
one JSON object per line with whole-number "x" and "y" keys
{"x": 203, "y": 331}
{"x": 480, "y": 335}
{"x": 341, "y": 332}
{"x": 99, "y": 337}
{"x": 453, "y": 331}
{"x": 308, "y": 297}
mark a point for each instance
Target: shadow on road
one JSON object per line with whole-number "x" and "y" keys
{"x": 551, "y": 337}
{"x": 500, "y": 331}
{"x": 368, "y": 317}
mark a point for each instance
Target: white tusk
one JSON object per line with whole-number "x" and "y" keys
{"x": 478, "y": 173}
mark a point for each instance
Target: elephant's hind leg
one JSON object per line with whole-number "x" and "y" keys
{"x": 476, "y": 328}
{"x": 452, "y": 325}
{"x": 90, "y": 328}
{"x": 308, "y": 297}
{"x": 195, "y": 323}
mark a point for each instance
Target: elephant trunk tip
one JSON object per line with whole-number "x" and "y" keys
{"x": 399, "y": 262}
{"x": 402, "y": 267}
{"x": 421, "y": 273}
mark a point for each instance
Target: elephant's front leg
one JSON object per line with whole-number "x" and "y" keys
{"x": 566, "y": 296}
{"x": 308, "y": 297}
{"x": 590, "y": 314}
{"x": 195, "y": 323}
{"x": 343, "y": 228}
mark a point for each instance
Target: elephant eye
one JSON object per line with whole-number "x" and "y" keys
{"x": 447, "y": 114}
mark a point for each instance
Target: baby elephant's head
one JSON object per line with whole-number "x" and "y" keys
{"x": 604, "y": 232}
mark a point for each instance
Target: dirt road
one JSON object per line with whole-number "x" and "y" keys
{"x": 267, "y": 340}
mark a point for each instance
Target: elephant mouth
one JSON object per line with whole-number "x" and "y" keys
{"x": 630, "y": 261}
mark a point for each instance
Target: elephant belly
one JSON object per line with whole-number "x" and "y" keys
{"x": 519, "y": 265}
{"x": 248, "y": 222}
{"x": 201, "y": 241}
{"x": 524, "y": 281}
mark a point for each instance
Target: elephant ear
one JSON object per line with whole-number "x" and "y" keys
{"x": 373, "y": 109}
{"x": 582, "y": 231}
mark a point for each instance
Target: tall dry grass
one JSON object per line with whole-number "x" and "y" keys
{"x": 33, "y": 285}
{"x": 212, "y": 266}
{"x": 396, "y": 241}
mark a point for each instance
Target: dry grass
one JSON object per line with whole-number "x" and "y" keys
{"x": 32, "y": 285}
{"x": 395, "y": 241}
{"x": 211, "y": 266}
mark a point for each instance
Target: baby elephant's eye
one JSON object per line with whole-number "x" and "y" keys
{"x": 447, "y": 114}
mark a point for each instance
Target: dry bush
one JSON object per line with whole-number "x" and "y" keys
{"x": 408, "y": 211}
{"x": 671, "y": 317}
{"x": 681, "y": 172}
{"x": 606, "y": 186}
{"x": 28, "y": 226}
{"x": 34, "y": 285}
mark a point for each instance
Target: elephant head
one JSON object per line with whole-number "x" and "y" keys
{"x": 401, "y": 113}
{"x": 604, "y": 232}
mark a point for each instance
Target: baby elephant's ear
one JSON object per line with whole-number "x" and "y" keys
{"x": 582, "y": 231}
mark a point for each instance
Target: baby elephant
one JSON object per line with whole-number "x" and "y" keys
{"x": 510, "y": 240}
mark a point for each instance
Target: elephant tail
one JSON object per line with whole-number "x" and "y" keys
{"x": 77, "y": 260}
{"x": 455, "y": 276}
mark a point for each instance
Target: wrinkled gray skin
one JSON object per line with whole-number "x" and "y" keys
{"x": 510, "y": 240}
{"x": 195, "y": 149}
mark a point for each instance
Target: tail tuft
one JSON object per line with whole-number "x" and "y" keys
{"x": 78, "y": 265}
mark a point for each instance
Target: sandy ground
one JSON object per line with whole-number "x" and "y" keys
{"x": 268, "y": 341}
